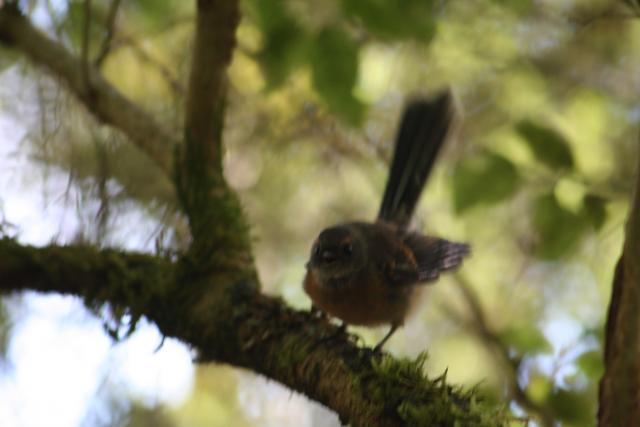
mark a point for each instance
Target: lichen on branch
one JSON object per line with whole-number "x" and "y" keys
{"x": 102, "y": 99}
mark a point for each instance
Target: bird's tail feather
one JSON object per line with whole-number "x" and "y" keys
{"x": 423, "y": 130}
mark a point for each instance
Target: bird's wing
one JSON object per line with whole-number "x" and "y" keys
{"x": 401, "y": 268}
{"x": 434, "y": 255}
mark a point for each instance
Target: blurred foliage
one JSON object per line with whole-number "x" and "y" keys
{"x": 141, "y": 416}
{"x": 525, "y": 340}
{"x": 537, "y": 180}
{"x": 572, "y": 406}
{"x": 334, "y": 65}
{"x": 214, "y": 401}
{"x": 485, "y": 178}
{"x": 393, "y": 19}
{"x": 548, "y": 146}
{"x": 559, "y": 229}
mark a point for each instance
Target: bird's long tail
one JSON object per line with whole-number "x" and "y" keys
{"x": 423, "y": 130}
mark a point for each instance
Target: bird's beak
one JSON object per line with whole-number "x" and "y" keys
{"x": 328, "y": 256}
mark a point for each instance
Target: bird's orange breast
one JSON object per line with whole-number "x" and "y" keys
{"x": 360, "y": 299}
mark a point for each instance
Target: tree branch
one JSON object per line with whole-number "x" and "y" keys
{"x": 249, "y": 330}
{"x": 214, "y": 42}
{"x": 123, "y": 279}
{"x": 101, "y": 98}
{"x": 109, "y": 32}
{"x": 84, "y": 53}
{"x": 205, "y": 196}
{"x": 620, "y": 385}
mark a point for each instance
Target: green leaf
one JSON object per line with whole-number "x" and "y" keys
{"x": 334, "y": 63}
{"x": 526, "y": 339}
{"x": 539, "y": 387}
{"x": 547, "y": 145}
{"x": 284, "y": 41}
{"x": 394, "y": 19}
{"x": 520, "y": 7}
{"x": 591, "y": 364}
{"x": 572, "y": 407}
{"x": 483, "y": 178}
{"x": 154, "y": 14}
{"x": 594, "y": 209}
{"x": 559, "y": 229}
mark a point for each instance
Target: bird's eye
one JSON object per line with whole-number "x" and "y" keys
{"x": 315, "y": 250}
{"x": 347, "y": 249}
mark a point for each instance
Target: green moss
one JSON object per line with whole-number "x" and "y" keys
{"x": 403, "y": 389}
{"x": 221, "y": 238}
{"x": 234, "y": 323}
{"x": 292, "y": 353}
{"x": 117, "y": 286}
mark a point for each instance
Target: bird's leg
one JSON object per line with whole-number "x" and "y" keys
{"x": 339, "y": 332}
{"x": 320, "y": 314}
{"x": 378, "y": 347}
{"x": 316, "y": 312}
{"x": 342, "y": 330}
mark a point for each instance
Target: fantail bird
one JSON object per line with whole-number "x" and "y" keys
{"x": 366, "y": 273}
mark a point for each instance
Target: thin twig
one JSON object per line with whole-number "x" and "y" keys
{"x": 105, "y": 48}
{"x": 56, "y": 22}
{"x": 490, "y": 338}
{"x": 107, "y": 103}
{"x": 84, "y": 54}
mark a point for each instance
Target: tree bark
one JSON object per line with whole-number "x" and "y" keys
{"x": 620, "y": 385}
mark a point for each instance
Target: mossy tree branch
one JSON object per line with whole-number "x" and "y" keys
{"x": 620, "y": 385}
{"x": 220, "y": 234}
{"x": 249, "y": 330}
{"x": 208, "y": 299}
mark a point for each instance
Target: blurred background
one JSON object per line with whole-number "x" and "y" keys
{"x": 537, "y": 180}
